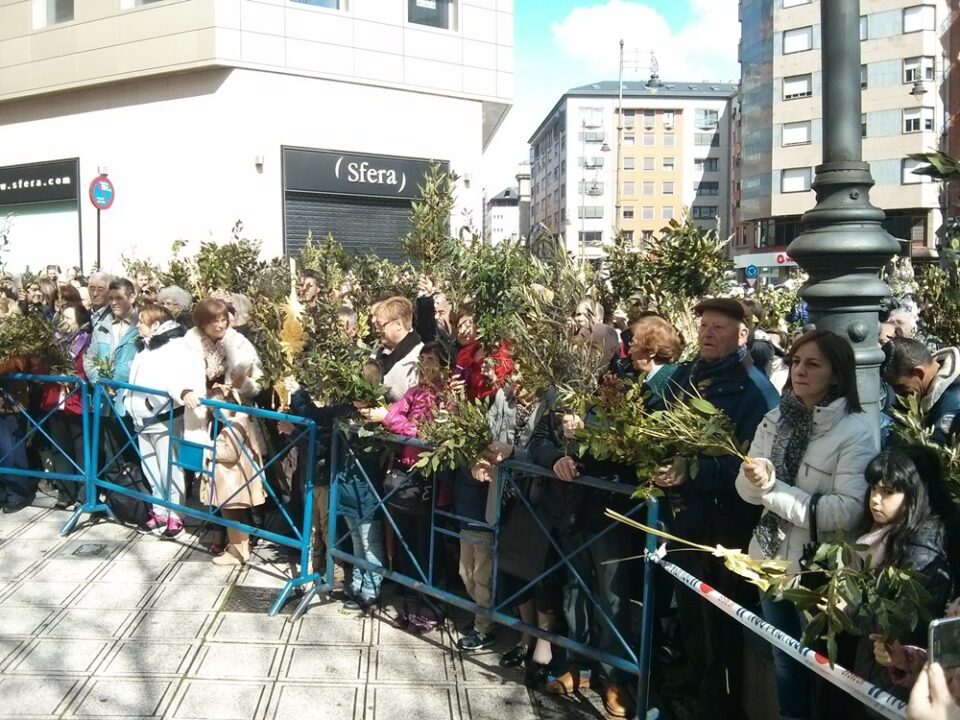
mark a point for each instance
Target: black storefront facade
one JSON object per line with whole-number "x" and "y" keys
{"x": 363, "y": 200}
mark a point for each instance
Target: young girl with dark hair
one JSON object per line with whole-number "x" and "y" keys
{"x": 902, "y": 529}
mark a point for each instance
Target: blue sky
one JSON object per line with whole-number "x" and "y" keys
{"x": 561, "y": 44}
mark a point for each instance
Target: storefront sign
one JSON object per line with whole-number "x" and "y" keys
{"x": 53, "y": 181}
{"x": 323, "y": 171}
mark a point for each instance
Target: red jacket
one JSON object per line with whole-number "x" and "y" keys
{"x": 51, "y": 391}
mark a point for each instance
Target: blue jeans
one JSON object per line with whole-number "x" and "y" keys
{"x": 793, "y": 680}
{"x": 14, "y": 488}
{"x": 367, "y": 537}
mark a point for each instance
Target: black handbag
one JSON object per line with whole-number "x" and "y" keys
{"x": 412, "y": 493}
{"x": 817, "y": 579}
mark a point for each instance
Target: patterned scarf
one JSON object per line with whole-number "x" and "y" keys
{"x": 215, "y": 357}
{"x": 793, "y": 434}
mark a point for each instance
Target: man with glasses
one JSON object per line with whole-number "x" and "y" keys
{"x": 98, "y": 286}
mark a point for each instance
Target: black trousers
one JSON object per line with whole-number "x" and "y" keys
{"x": 66, "y": 430}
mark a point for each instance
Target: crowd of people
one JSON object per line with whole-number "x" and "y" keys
{"x": 817, "y": 470}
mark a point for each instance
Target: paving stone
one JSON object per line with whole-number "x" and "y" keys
{"x": 296, "y": 702}
{"x": 43, "y": 530}
{"x": 250, "y": 599}
{"x": 270, "y": 576}
{"x": 169, "y": 625}
{"x": 208, "y": 700}
{"x": 201, "y": 574}
{"x": 40, "y": 594}
{"x": 325, "y": 663}
{"x": 63, "y": 656}
{"x": 409, "y": 664}
{"x": 28, "y": 514}
{"x": 23, "y": 620}
{"x": 20, "y": 549}
{"x": 37, "y": 694}
{"x": 186, "y": 597}
{"x": 105, "y": 531}
{"x": 76, "y": 623}
{"x": 498, "y": 703}
{"x": 8, "y": 648}
{"x": 14, "y": 568}
{"x": 414, "y": 703}
{"x": 114, "y": 596}
{"x": 131, "y": 571}
{"x": 241, "y": 662}
{"x": 386, "y": 633}
{"x": 134, "y": 657}
{"x": 67, "y": 570}
{"x": 89, "y": 548}
{"x": 332, "y": 630}
{"x": 242, "y": 627}
{"x": 124, "y": 697}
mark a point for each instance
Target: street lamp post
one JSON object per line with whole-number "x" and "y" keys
{"x": 843, "y": 245}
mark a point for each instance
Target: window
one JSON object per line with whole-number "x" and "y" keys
{"x": 630, "y": 188}
{"x": 916, "y": 69}
{"x": 629, "y": 139}
{"x": 797, "y": 40}
{"x": 648, "y": 188}
{"x": 647, "y": 234}
{"x": 435, "y": 13}
{"x": 649, "y": 118}
{"x": 56, "y": 11}
{"x": 907, "y": 168}
{"x": 703, "y": 189}
{"x": 590, "y": 211}
{"x": 333, "y": 4}
{"x": 629, "y": 118}
{"x": 863, "y": 125}
{"x": 591, "y": 117}
{"x": 668, "y": 118}
{"x": 795, "y": 180}
{"x": 668, "y": 164}
{"x": 797, "y": 133}
{"x": 649, "y": 139}
{"x": 917, "y": 119}
{"x": 591, "y": 136}
{"x": 704, "y": 212}
{"x": 591, "y": 162}
{"x": 863, "y": 77}
{"x": 706, "y": 164}
{"x": 706, "y": 139}
{"x": 590, "y": 187}
{"x": 668, "y": 187}
{"x": 919, "y": 17}
{"x": 648, "y": 163}
{"x": 666, "y": 212}
{"x": 629, "y": 163}
{"x": 863, "y": 28}
{"x": 797, "y": 86}
{"x": 707, "y": 119}
{"x": 669, "y": 139}
{"x": 647, "y": 212}
{"x": 591, "y": 237}
{"x": 627, "y": 212}
{"x": 627, "y": 236}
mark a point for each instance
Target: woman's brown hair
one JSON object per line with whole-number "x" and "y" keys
{"x": 209, "y": 310}
{"x": 151, "y": 313}
{"x": 839, "y": 354}
{"x": 655, "y": 338}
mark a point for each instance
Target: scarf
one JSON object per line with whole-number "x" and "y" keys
{"x": 403, "y": 348}
{"x": 876, "y": 542}
{"x": 793, "y": 434}
{"x": 703, "y": 370}
{"x": 214, "y": 357}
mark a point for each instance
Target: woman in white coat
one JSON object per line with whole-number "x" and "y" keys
{"x": 808, "y": 453}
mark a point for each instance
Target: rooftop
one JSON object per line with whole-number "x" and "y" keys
{"x": 510, "y": 195}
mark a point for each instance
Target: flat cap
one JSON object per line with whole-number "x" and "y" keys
{"x": 728, "y": 306}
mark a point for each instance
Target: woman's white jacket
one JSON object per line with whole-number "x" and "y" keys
{"x": 241, "y": 360}
{"x": 841, "y": 445}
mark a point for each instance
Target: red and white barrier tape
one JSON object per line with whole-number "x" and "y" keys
{"x": 870, "y": 695}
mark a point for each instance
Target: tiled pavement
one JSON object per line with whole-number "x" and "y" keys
{"x": 109, "y": 622}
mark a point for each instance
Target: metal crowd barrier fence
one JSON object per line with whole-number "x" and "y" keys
{"x": 122, "y": 446}
{"x": 870, "y": 695}
{"x": 635, "y": 660}
{"x": 35, "y": 423}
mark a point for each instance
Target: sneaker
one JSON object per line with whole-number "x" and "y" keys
{"x": 476, "y": 641}
{"x": 155, "y": 522}
{"x": 174, "y": 528}
{"x": 356, "y": 605}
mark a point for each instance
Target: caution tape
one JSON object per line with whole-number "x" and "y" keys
{"x": 870, "y": 695}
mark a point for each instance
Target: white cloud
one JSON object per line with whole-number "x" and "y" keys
{"x": 704, "y": 49}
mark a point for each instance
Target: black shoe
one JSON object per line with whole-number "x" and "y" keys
{"x": 515, "y": 656}
{"x": 476, "y": 641}
{"x": 535, "y": 674}
{"x": 15, "y": 506}
{"x": 356, "y": 605}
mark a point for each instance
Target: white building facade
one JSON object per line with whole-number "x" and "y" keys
{"x": 291, "y": 116}
{"x": 599, "y": 169}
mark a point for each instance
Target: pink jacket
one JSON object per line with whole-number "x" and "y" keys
{"x": 418, "y": 404}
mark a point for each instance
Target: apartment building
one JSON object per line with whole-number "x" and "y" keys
{"x": 905, "y": 104}
{"x": 599, "y": 167}
{"x": 290, "y": 115}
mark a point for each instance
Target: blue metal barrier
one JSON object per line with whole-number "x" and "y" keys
{"x": 38, "y": 426}
{"x": 636, "y": 663}
{"x": 103, "y": 398}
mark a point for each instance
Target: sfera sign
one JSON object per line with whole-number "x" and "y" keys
{"x": 52, "y": 181}
{"x": 335, "y": 173}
